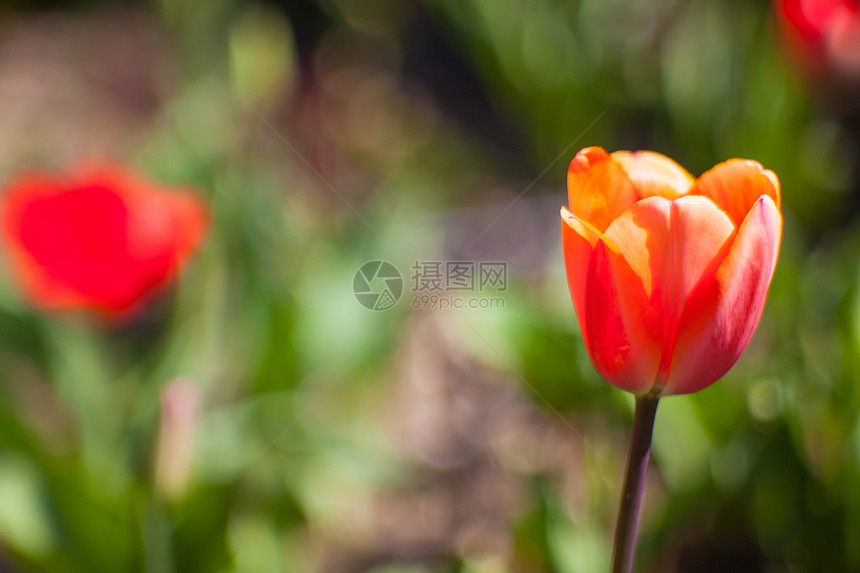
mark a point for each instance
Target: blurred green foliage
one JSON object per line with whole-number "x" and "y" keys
{"x": 332, "y": 438}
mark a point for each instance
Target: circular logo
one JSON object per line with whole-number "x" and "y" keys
{"x": 377, "y": 285}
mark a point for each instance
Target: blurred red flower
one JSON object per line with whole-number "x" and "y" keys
{"x": 823, "y": 36}
{"x": 96, "y": 237}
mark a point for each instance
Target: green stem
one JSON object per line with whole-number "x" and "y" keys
{"x": 638, "y": 454}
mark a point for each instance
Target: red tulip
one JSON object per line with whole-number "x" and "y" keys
{"x": 823, "y": 36}
{"x": 97, "y": 237}
{"x": 668, "y": 274}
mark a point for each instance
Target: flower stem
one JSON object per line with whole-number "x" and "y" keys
{"x": 638, "y": 454}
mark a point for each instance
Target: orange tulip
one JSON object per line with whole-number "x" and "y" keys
{"x": 668, "y": 274}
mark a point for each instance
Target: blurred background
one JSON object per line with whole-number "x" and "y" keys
{"x": 258, "y": 417}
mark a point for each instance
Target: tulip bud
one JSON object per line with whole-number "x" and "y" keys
{"x": 180, "y": 413}
{"x": 668, "y": 274}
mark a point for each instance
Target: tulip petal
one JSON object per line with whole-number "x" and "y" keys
{"x": 736, "y": 185}
{"x": 621, "y": 336}
{"x": 700, "y": 231}
{"x": 599, "y": 190}
{"x": 622, "y": 330}
{"x": 654, "y": 174}
{"x": 670, "y": 246}
{"x": 623, "y": 326}
{"x": 721, "y": 314}
{"x": 642, "y": 236}
{"x": 577, "y": 241}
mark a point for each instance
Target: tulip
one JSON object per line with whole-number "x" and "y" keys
{"x": 668, "y": 276}
{"x": 97, "y": 237}
{"x": 823, "y": 36}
